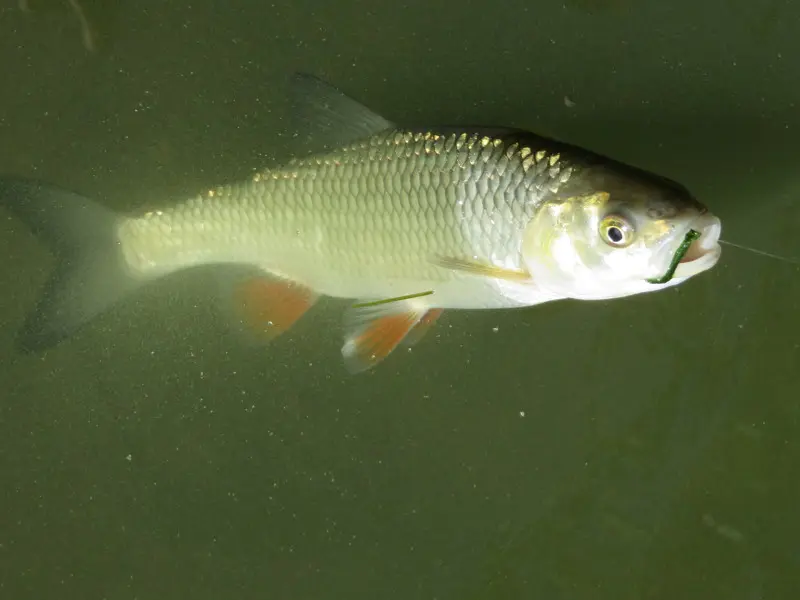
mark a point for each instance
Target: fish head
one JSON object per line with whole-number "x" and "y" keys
{"x": 610, "y": 230}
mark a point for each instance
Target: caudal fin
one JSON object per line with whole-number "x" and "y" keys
{"x": 91, "y": 273}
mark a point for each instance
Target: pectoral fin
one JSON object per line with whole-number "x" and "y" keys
{"x": 482, "y": 269}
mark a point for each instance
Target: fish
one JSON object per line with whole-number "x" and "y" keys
{"x": 406, "y": 221}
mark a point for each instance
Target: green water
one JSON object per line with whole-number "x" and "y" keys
{"x": 638, "y": 448}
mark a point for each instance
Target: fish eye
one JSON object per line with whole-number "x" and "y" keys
{"x": 616, "y": 231}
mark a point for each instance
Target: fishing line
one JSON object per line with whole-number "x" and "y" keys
{"x": 787, "y": 259}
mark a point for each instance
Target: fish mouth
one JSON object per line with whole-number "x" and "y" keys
{"x": 705, "y": 251}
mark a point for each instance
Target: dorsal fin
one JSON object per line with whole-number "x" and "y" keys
{"x": 325, "y": 118}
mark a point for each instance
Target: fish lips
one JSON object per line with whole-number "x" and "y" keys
{"x": 704, "y": 251}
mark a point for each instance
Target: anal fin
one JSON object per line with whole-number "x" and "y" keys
{"x": 263, "y": 307}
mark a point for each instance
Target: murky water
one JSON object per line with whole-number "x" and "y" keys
{"x": 638, "y": 448}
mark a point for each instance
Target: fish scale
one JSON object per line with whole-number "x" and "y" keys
{"x": 362, "y": 221}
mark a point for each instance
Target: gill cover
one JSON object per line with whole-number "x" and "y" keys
{"x": 598, "y": 246}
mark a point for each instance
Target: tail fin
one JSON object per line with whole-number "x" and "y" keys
{"x": 91, "y": 273}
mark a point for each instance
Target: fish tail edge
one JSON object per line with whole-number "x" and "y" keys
{"x": 91, "y": 273}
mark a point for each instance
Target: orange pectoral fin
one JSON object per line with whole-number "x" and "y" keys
{"x": 375, "y": 332}
{"x": 267, "y": 307}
